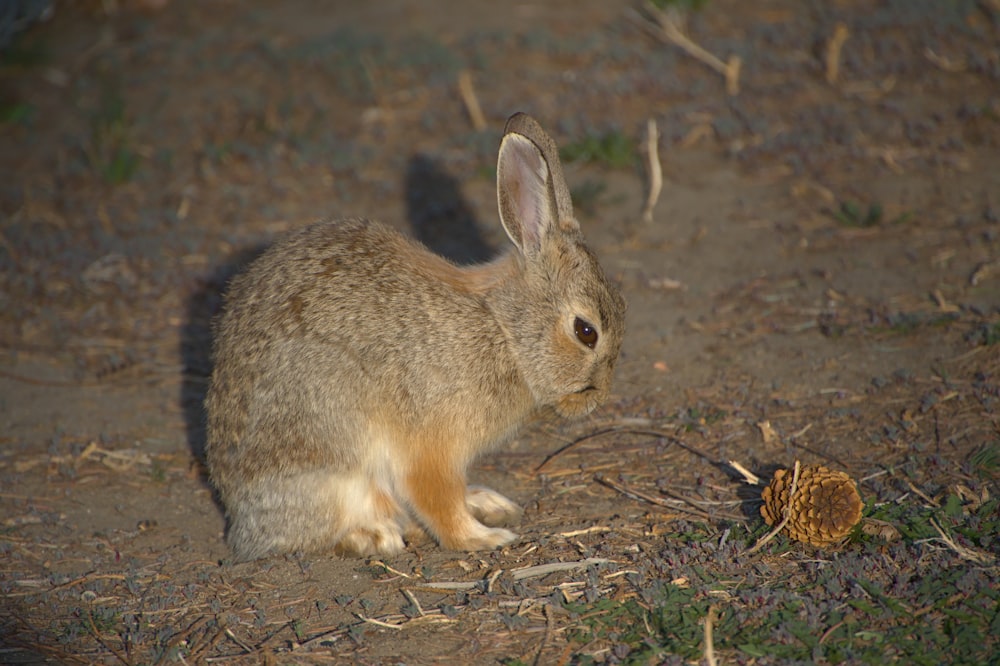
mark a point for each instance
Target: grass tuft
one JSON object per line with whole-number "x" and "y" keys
{"x": 111, "y": 150}
{"x": 613, "y": 150}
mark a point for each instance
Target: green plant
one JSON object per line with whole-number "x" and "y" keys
{"x": 985, "y": 334}
{"x": 16, "y": 113}
{"x": 986, "y": 460}
{"x": 851, "y": 214}
{"x": 855, "y": 215}
{"x": 613, "y": 149}
{"x": 111, "y": 151}
{"x": 23, "y": 53}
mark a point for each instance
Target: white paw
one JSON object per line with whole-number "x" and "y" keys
{"x": 481, "y": 537}
{"x": 383, "y": 538}
{"x": 492, "y": 508}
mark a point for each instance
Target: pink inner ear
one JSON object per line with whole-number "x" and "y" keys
{"x": 527, "y": 185}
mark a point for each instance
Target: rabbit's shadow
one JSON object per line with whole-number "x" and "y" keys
{"x": 203, "y": 304}
{"x": 439, "y": 216}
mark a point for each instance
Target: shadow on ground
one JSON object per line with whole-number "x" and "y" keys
{"x": 441, "y": 218}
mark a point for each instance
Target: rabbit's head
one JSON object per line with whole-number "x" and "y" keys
{"x": 565, "y": 320}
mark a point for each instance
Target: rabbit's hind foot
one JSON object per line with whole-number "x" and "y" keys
{"x": 377, "y": 530}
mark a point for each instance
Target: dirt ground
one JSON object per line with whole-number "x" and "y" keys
{"x": 820, "y": 282}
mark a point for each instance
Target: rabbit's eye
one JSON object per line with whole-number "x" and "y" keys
{"x": 585, "y": 332}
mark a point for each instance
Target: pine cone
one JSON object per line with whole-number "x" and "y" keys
{"x": 824, "y": 510}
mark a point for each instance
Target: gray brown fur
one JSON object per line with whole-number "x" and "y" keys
{"x": 357, "y": 374}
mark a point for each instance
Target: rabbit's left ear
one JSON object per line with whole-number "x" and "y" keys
{"x": 532, "y": 194}
{"x": 524, "y": 193}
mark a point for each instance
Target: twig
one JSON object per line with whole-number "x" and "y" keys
{"x": 800, "y": 433}
{"x": 539, "y": 570}
{"x": 492, "y": 580}
{"x": 196, "y": 654}
{"x": 588, "y": 530}
{"x": 730, "y": 69}
{"x": 105, "y": 644}
{"x": 182, "y": 636}
{"x": 965, "y": 553}
{"x": 549, "y": 633}
{"x": 379, "y": 623}
{"x": 579, "y": 440}
{"x": 450, "y": 585}
{"x": 535, "y": 571}
{"x": 235, "y": 639}
{"x": 709, "y": 643}
{"x": 639, "y": 495}
{"x": 413, "y": 600}
{"x": 786, "y": 511}
{"x": 385, "y": 566}
{"x": 921, "y": 494}
{"x": 655, "y": 170}
{"x": 470, "y": 100}
{"x": 983, "y": 271}
{"x": 829, "y": 632}
{"x": 944, "y": 62}
{"x": 748, "y": 476}
{"x": 833, "y": 49}
{"x": 625, "y": 429}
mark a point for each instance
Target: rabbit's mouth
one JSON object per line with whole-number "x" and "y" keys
{"x": 579, "y": 403}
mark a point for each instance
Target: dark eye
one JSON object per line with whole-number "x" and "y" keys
{"x": 585, "y": 332}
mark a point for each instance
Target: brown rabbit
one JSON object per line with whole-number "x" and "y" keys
{"x": 357, "y": 374}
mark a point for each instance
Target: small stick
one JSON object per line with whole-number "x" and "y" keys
{"x": 655, "y": 170}
{"x": 545, "y": 569}
{"x": 549, "y": 633}
{"x": 965, "y": 553}
{"x": 107, "y": 646}
{"x": 413, "y": 600}
{"x": 588, "y": 530}
{"x": 379, "y": 623}
{"x": 385, "y": 566}
{"x": 709, "y": 643}
{"x": 450, "y": 585}
{"x": 181, "y": 636}
{"x": 639, "y": 495}
{"x": 833, "y": 49}
{"x": 197, "y": 653}
{"x": 729, "y": 69}
{"x": 983, "y": 271}
{"x": 748, "y": 476}
{"x": 626, "y": 430}
{"x": 786, "y": 511}
{"x": 468, "y": 94}
{"x": 930, "y": 501}
{"x": 493, "y": 579}
{"x": 235, "y": 639}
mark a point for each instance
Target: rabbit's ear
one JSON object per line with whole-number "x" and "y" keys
{"x": 524, "y": 193}
{"x": 532, "y": 193}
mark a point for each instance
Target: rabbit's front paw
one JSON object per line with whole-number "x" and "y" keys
{"x": 492, "y": 508}
{"x": 483, "y": 538}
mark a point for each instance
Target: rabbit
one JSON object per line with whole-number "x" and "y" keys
{"x": 357, "y": 374}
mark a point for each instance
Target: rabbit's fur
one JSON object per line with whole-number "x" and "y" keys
{"x": 357, "y": 374}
